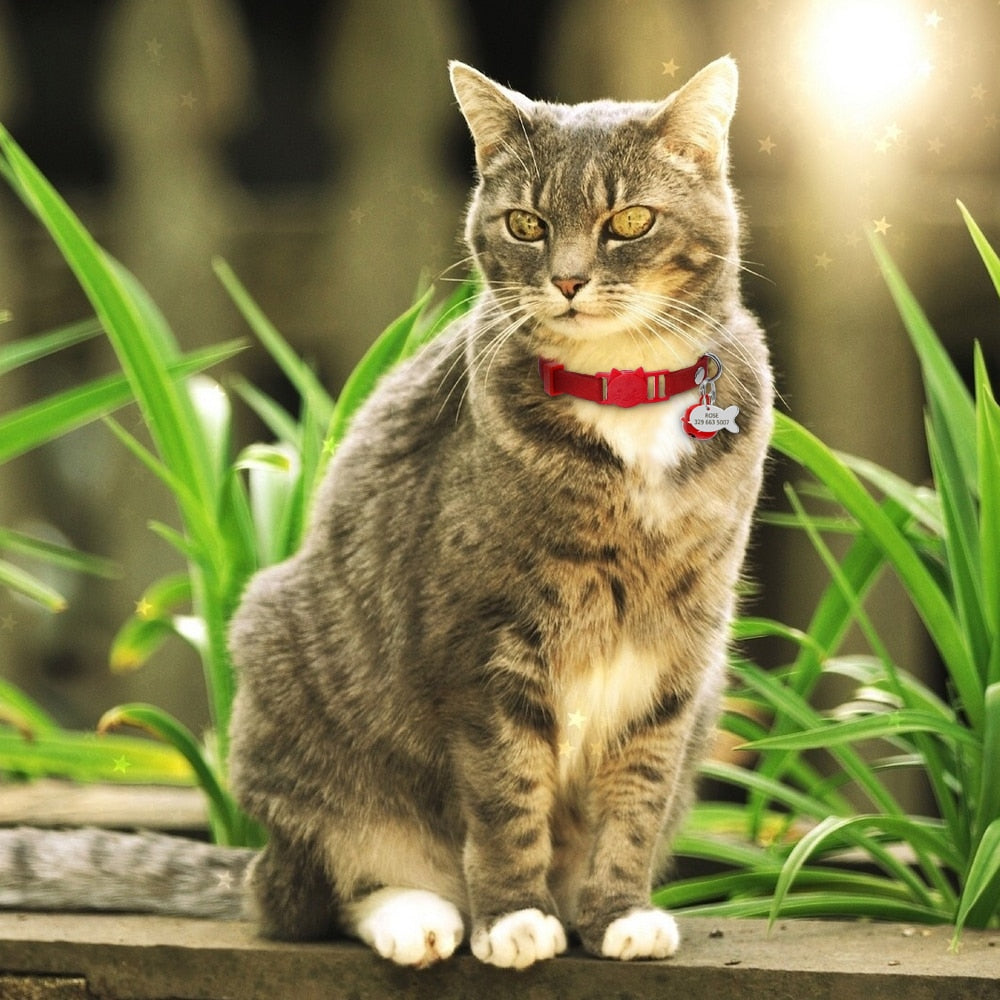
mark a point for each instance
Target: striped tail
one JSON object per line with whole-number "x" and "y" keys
{"x": 100, "y": 870}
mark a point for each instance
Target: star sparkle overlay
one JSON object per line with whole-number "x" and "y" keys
{"x": 917, "y": 128}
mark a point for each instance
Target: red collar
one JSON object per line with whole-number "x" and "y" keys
{"x": 623, "y": 388}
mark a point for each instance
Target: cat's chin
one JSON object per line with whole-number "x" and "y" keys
{"x": 599, "y": 343}
{"x": 578, "y": 326}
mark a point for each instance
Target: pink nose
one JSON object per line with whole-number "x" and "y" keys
{"x": 569, "y": 286}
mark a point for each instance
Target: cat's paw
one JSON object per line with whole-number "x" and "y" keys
{"x": 642, "y": 933}
{"x": 408, "y": 926}
{"x": 519, "y": 939}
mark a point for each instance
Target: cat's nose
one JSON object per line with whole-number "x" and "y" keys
{"x": 570, "y": 286}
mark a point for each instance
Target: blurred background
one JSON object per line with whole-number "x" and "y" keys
{"x": 317, "y": 147}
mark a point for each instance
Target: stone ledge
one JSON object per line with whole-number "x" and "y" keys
{"x": 151, "y": 958}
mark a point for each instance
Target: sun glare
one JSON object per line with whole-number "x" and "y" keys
{"x": 864, "y": 57}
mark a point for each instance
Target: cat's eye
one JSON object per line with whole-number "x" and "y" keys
{"x": 631, "y": 222}
{"x": 525, "y": 226}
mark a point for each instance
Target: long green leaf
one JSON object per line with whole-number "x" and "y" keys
{"x": 825, "y": 905}
{"x": 17, "y": 709}
{"x": 947, "y": 392}
{"x": 988, "y": 798}
{"x": 57, "y": 555}
{"x": 988, "y": 457}
{"x": 933, "y": 606}
{"x": 989, "y": 255}
{"x": 167, "y": 728}
{"x": 905, "y": 828}
{"x": 90, "y": 758}
{"x": 24, "y": 351}
{"x": 134, "y": 325}
{"x": 37, "y": 423}
{"x": 378, "y": 359}
{"x": 295, "y": 369}
{"x": 31, "y": 586}
{"x": 888, "y": 726}
{"x": 963, "y": 551}
{"x": 981, "y": 876}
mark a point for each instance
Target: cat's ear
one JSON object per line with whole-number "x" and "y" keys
{"x": 494, "y": 113}
{"x": 694, "y": 121}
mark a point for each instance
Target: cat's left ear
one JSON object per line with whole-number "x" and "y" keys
{"x": 495, "y": 114}
{"x": 694, "y": 121}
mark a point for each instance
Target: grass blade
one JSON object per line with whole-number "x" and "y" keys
{"x": 23, "y": 352}
{"x": 295, "y": 369}
{"x": 989, "y": 255}
{"x": 31, "y": 586}
{"x": 988, "y": 456}
{"x": 981, "y": 876}
{"x": 933, "y": 606}
{"x": 91, "y": 758}
{"x": 167, "y": 728}
{"x": 17, "y": 709}
{"x": 947, "y": 392}
{"x": 57, "y": 555}
{"x": 378, "y": 359}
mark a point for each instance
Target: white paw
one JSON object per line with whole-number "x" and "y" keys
{"x": 409, "y": 926}
{"x": 519, "y": 939}
{"x": 645, "y": 933}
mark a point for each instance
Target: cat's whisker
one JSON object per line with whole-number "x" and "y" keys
{"x": 742, "y": 266}
{"x": 685, "y": 330}
{"x": 494, "y": 307}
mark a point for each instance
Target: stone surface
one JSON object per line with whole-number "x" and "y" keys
{"x": 43, "y": 988}
{"x": 149, "y": 958}
{"x": 49, "y": 802}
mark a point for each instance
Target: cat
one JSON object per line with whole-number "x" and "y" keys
{"x": 473, "y": 705}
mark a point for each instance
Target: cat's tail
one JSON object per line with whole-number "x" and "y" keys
{"x": 100, "y": 870}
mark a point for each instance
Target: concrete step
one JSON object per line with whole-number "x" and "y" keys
{"x": 153, "y": 958}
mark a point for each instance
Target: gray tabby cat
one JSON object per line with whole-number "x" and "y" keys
{"x": 474, "y": 702}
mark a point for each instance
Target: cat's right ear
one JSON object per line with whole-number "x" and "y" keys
{"x": 495, "y": 114}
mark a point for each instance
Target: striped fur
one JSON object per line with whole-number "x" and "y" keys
{"x": 474, "y": 703}
{"x": 91, "y": 869}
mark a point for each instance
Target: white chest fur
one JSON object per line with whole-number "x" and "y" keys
{"x": 648, "y": 437}
{"x": 598, "y": 701}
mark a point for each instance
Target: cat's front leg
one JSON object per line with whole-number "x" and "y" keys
{"x": 641, "y": 788}
{"x": 505, "y": 760}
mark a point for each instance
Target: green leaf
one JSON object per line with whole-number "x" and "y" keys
{"x": 57, "y": 555}
{"x": 918, "y": 834}
{"x": 933, "y": 606}
{"x": 166, "y": 727}
{"x": 295, "y": 369}
{"x": 274, "y": 476}
{"x": 922, "y": 504}
{"x": 379, "y": 358}
{"x": 91, "y": 758}
{"x": 989, "y": 255}
{"x": 889, "y": 726}
{"x": 800, "y": 803}
{"x": 281, "y": 424}
{"x": 988, "y": 456}
{"x": 136, "y": 641}
{"x": 947, "y": 392}
{"x": 37, "y": 423}
{"x": 31, "y": 587}
{"x": 988, "y": 810}
{"x": 17, "y": 709}
{"x": 961, "y": 542}
{"x": 981, "y": 876}
{"x": 24, "y": 351}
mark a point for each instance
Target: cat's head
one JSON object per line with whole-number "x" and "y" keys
{"x": 606, "y": 220}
